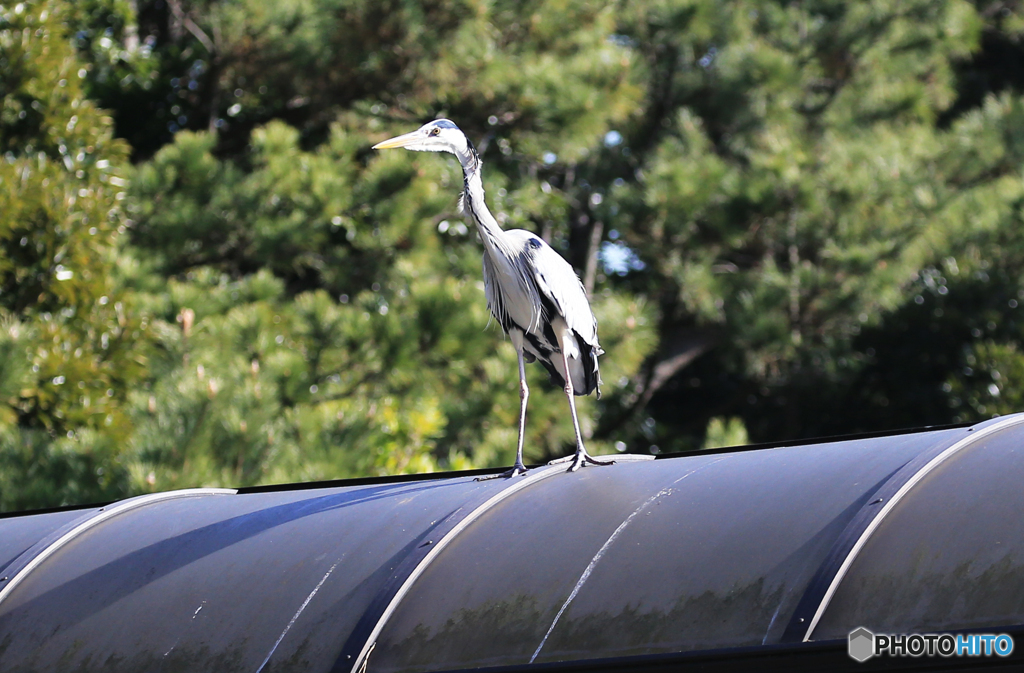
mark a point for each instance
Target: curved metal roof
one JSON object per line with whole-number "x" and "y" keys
{"x": 743, "y": 548}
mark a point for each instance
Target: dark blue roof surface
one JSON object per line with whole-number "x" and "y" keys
{"x": 741, "y": 548}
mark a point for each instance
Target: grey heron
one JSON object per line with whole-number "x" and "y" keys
{"x": 531, "y": 291}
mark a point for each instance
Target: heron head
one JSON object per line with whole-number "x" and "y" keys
{"x": 439, "y": 135}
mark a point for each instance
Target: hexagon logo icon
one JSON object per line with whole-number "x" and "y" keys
{"x": 862, "y": 644}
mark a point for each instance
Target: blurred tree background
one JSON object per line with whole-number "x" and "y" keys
{"x": 794, "y": 218}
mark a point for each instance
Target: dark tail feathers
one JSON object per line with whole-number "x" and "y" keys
{"x": 588, "y": 362}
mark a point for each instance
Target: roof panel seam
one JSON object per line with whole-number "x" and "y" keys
{"x": 355, "y": 664}
{"x": 35, "y": 555}
{"x": 910, "y": 482}
{"x": 358, "y": 662}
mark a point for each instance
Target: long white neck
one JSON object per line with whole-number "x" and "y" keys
{"x": 473, "y": 202}
{"x": 496, "y": 242}
{"x": 510, "y": 295}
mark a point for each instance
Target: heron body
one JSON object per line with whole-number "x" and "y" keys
{"x": 532, "y": 292}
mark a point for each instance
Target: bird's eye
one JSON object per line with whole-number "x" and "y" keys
{"x": 434, "y": 131}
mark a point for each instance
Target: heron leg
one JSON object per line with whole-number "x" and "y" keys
{"x": 524, "y": 395}
{"x": 581, "y": 457}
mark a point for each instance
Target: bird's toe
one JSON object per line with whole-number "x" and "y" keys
{"x": 515, "y": 471}
{"x": 580, "y": 459}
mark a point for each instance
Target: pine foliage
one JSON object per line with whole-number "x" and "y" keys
{"x": 793, "y": 218}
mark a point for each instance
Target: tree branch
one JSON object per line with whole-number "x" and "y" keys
{"x": 679, "y": 349}
{"x": 191, "y": 26}
{"x": 593, "y": 248}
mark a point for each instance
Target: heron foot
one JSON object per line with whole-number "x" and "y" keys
{"x": 516, "y": 470}
{"x": 580, "y": 459}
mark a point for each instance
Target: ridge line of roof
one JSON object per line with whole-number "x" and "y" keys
{"x": 424, "y": 476}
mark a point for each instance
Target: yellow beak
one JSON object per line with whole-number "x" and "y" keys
{"x": 398, "y": 141}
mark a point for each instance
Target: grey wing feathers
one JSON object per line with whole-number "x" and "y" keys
{"x": 556, "y": 279}
{"x": 563, "y": 291}
{"x": 530, "y": 288}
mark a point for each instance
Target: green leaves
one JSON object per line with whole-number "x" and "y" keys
{"x": 792, "y": 219}
{"x": 73, "y": 344}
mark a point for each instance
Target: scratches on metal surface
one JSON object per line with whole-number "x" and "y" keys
{"x": 296, "y": 615}
{"x": 775, "y": 616}
{"x": 608, "y": 543}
